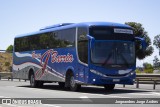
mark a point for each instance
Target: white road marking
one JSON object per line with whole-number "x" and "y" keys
{"x": 10, "y": 86}
{"x": 51, "y": 105}
{"x": 33, "y": 89}
{"x": 128, "y": 88}
{"x": 106, "y": 95}
{"x": 36, "y": 89}
{"x": 85, "y": 98}
{"x": 12, "y": 105}
{"x": 145, "y": 94}
{"x": 156, "y": 93}
{"x": 139, "y": 94}
{"x": 149, "y": 93}
{"x": 2, "y": 96}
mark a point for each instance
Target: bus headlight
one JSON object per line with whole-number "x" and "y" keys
{"x": 132, "y": 73}
{"x": 97, "y": 73}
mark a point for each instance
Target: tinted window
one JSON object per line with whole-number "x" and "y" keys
{"x": 58, "y": 39}
{"x": 21, "y": 44}
{"x": 67, "y": 37}
{"x": 82, "y": 45}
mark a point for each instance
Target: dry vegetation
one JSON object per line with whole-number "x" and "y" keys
{"x": 5, "y": 62}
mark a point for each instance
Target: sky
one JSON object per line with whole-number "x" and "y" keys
{"x": 25, "y": 16}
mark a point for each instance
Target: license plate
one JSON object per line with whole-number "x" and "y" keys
{"x": 116, "y": 80}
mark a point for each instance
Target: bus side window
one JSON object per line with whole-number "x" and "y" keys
{"x": 68, "y": 37}
{"x": 83, "y": 45}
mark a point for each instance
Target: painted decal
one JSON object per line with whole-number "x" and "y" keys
{"x": 55, "y": 58}
{"x": 61, "y": 58}
{"x": 44, "y": 62}
{"x": 34, "y": 55}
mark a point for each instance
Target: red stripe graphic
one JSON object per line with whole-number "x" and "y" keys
{"x": 44, "y": 62}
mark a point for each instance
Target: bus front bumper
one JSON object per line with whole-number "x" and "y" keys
{"x": 101, "y": 80}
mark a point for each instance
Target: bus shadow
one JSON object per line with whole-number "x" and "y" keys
{"x": 93, "y": 90}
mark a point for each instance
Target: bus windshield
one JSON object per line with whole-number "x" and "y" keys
{"x": 113, "y": 53}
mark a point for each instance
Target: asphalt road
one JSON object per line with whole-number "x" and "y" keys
{"x": 88, "y": 95}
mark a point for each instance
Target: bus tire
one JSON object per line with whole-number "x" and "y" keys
{"x": 61, "y": 84}
{"x": 33, "y": 82}
{"x": 39, "y": 84}
{"x": 73, "y": 85}
{"x": 109, "y": 87}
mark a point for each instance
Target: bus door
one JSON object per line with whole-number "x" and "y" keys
{"x": 82, "y": 52}
{"x": 82, "y": 72}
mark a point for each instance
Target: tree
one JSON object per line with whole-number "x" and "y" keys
{"x": 10, "y": 48}
{"x": 156, "y": 41}
{"x": 146, "y": 65}
{"x": 148, "y": 68}
{"x": 155, "y": 61}
{"x": 139, "y": 31}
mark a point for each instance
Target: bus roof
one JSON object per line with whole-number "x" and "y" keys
{"x": 72, "y": 25}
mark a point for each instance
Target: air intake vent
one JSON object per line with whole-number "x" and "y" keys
{"x": 57, "y": 25}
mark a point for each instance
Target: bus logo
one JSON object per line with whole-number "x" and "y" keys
{"x": 55, "y": 57}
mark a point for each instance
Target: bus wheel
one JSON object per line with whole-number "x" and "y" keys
{"x": 61, "y": 84}
{"x": 109, "y": 87}
{"x": 73, "y": 85}
{"x": 33, "y": 82}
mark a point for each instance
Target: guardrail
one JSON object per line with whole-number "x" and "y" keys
{"x": 5, "y": 75}
{"x": 148, "y": 79}
{"x": 8, "y": 75}
{"x": 140, "y": 78}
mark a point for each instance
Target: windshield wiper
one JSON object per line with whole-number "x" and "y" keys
{"x": 105, "y": 62}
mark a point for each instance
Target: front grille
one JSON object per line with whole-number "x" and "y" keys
{"x": 110, "y": 75}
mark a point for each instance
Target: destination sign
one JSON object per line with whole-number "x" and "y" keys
{"x": 127, "y": 31}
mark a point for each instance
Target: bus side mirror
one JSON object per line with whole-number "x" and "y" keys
{"x": 92, "y": 41}
{"x": 142, "y": 43}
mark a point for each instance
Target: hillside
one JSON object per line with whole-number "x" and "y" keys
{"x": 5, "y": 62}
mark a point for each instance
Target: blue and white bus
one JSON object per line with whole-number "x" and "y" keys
{"x": 90, "y": 53}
